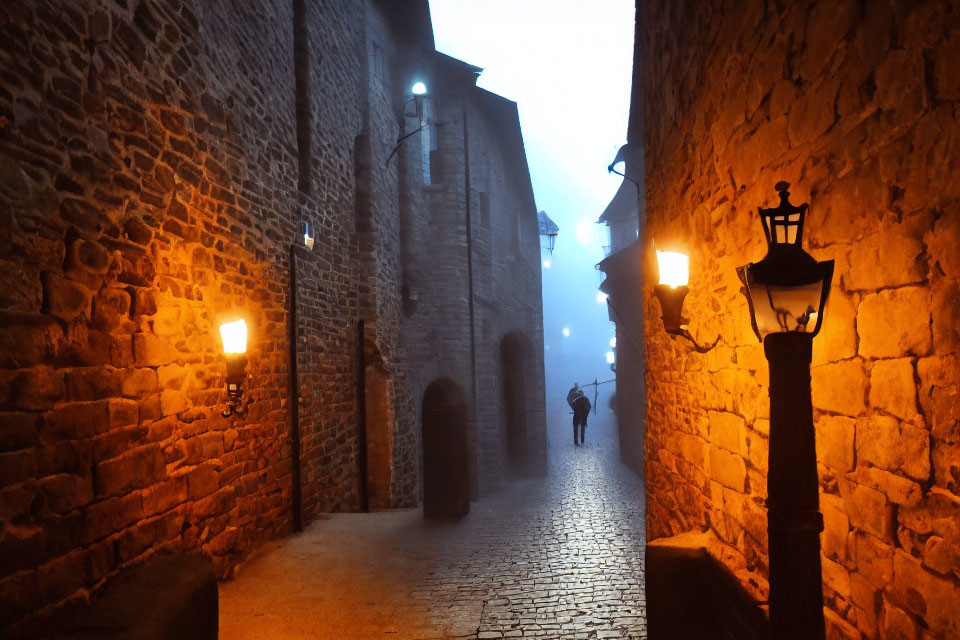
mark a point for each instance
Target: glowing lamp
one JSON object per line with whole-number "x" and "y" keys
{"x": 613, "y": 343}
{"x": 788, "y": 289}
{"x": 546, "y": 264}
{"x": 234, "y": 336}
{"x": 308, "y": 239}
{"x": 601, "y": 297}
{"x": 566, "y": 332}
{"x": 611, "y": 357}
{"x": 674, "y": 268}
{"x": 418, "y": 89}
{"x": 672, "y": 289}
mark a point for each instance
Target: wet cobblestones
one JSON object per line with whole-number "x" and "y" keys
{"x": 554, "y": 558}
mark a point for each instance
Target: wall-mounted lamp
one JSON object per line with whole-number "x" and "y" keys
{"x": 612, "y": 360}
{"x": 234, "y": 335}
{"x": 308, "y": 238}
{"x": 672, "y": 289}
{"x": 418, "y": 89}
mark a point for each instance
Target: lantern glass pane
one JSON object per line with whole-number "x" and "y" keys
{"x": 674, "y": 268}
{"x": 782, "y": 309}
{"x": 234, "y": 336}
{"x": 792, "y": 229}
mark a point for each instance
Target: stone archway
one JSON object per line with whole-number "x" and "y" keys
{"x": 446, "y": 484}
{"x": 516, "y": 360}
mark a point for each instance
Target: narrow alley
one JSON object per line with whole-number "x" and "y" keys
{"x": 559, "y": 557}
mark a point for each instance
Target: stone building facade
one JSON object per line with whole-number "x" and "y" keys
{"x": 856, "y": 105}
{"x": 157, "y": 160}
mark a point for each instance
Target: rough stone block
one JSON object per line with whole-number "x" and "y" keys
{"x": 892, "y": 388}
{"x": 943, "y": 243}
{"x": 894, "y": 445}
{"x": 93, "y": 383}
{"x": 37, "y": 388}
{"x": 173, "y": 402}
{"x": 152, "y": 351}
{"x": 939, "y": 390}
{"x": 135, "y": 469}
{"x": 75, "y": 421}
{"x": 866, "y": 599}
{"x": 728, "y": 469}
{"x": 65, "y": 492}
{"x": 889, "y": 258}
{"x": 897, "y": 624}
{"x": 835, "y": 441}
{"x": 898, "y": 489}
{"x": 202, "y": 481}
{"x": 840, "y": 387}
{"x": 895, "y": 323}
{"x": 923, "y": 594}
{"x": 901, "y": 87}
{"x": 946, "y": 466}
{"x": 139, "y": 382}
{"x": 64, "y": 298}
{"x": 111, "y": 308}
{"x": 727, "y": 430}
{"x": 20, "y": 430}
{"x": 836, "y": 528}
{"x": 837, "y": 339}
{"x": 874, "y": 559}
{"x": 165, "y": 495}
{"x": 867, "y": 509}
{"x": 945, "y": 314}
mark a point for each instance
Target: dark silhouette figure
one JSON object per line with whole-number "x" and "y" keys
{"x": 581, "y": 409}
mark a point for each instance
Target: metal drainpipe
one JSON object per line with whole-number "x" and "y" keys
{"x": 473, "y": 332}
{"x": 294, "y": 396}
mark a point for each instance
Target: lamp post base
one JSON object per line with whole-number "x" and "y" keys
{"x": 794, "y": 521}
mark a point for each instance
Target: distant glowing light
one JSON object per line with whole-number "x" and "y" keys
{"x": 585, "y": 231}
{"x": 234, "y": 336}
{"x": 546, "y": 264}
{"x": 674, "y": 268}
{"x": 419, "y": 89}
{"x": 611, "y": 358}
{"x": 566, "y": 332}
{"x": 613, "y": 343}
{"x": 601, "y": 297}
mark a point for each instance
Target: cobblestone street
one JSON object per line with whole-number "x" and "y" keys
{"x": 553, "y": 558}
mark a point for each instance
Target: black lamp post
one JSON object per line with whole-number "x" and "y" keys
{"x": 786, "y": 292}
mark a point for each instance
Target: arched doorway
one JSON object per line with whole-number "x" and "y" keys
{"x": 515, "y": 364}
{"x": 446, "y": 485}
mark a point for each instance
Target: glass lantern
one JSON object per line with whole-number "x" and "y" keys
{"x": 788, "y": 289}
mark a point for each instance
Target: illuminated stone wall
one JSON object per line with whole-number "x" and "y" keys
{"x": 856, "y": 105}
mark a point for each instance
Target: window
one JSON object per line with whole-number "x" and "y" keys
{"x": 376, "y": 61}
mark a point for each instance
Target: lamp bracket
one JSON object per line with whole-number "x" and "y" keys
{"x": 684, "y": 333}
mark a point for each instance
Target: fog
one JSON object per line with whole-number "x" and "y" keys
{"x": 567, "y": 63}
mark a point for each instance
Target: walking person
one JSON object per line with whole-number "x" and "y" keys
{"x": 581, "y": 409}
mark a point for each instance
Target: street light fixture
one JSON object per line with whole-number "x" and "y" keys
{"x": 786, "y": 293}
{"x": 234, "y": 335}
{"x": 672, "y": 289}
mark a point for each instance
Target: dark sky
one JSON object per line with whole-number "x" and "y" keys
{"x": 567, "y": 63}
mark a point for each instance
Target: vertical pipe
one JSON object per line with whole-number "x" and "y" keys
{"x": 469, "y": 222}
{"x": 362, "y": 419}
{"x": 301, "y": 70}
{"x": 294, "y": 397}
{"x": 794, "y": 521}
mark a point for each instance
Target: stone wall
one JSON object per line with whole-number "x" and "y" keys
{"x": 856, "y": 105}
{"x": 156, "y": 160}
